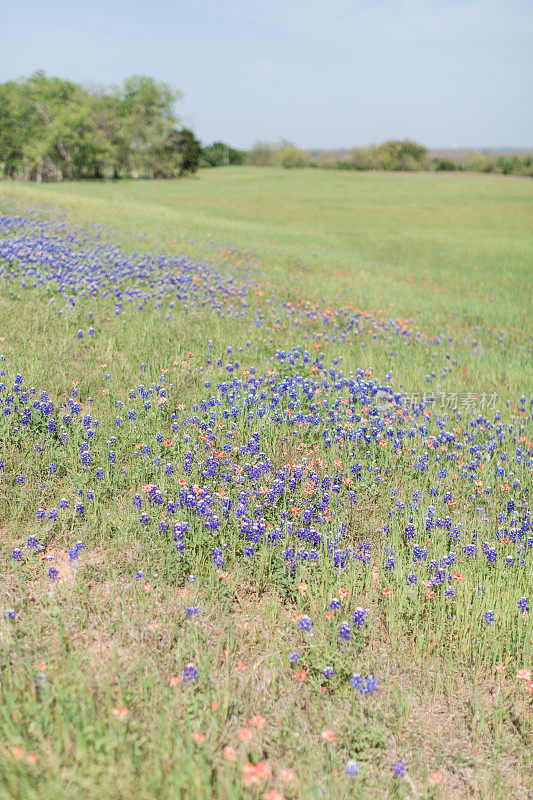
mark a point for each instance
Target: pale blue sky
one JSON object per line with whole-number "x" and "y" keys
{"x": 321, "y": 74}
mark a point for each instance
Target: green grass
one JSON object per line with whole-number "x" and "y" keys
{"x": 447, "y": 257}
{"x": 384, "y": 230}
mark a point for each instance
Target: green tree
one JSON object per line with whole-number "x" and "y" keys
{"x": 15, "y": 124}
{"x": 361, "y": 158}
{"x": 290, "y": 157}
{"x": 220, "y": 154}
{"x": 188, "y": 151}
{"x": 261, "y": 154}
{"x": 149, "y": 120}
{"x": 445, "y": 165}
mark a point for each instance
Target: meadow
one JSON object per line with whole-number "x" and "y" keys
{"x": 265, "y": 481}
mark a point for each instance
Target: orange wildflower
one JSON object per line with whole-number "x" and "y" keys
{"x": 274, "y": 794}
{"x": 254, "y": 773}
{"x": 246, "y": 734}
{"x": 286, "y": 775}
{"x": 119, "y": 712}
{"x": 229, "y": 753}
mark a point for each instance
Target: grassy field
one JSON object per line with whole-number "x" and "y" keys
{"x": 266, "y": 487}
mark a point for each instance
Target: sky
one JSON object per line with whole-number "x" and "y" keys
{"x": 329, "y": 74}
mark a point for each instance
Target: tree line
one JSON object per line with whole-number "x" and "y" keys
{"x": 394, "y": 155}
{"x": 53, "y": 129}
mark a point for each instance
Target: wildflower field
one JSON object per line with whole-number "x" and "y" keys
{"x": 265, "y": 483}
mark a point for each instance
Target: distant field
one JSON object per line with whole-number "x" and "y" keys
{"x": 265, "y": 487}
{"x": 453, "y": 253}
{"x": 431, "y": 232}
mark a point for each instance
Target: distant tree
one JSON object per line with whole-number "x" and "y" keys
{"x": 361, "y": 158}
{"x": 392, "y": 155}
{"x": 415, "y": 150}
{"x": 15, "y": 127}
{"x": 511, "y": 165}
{"x": 326, "y": 160}
{"x": 188, "y": 149}
{"x": 236, "y": 157}
{"x": 445, "y": 165}
{"x": 220, "y": 154}
{"x": 261, "y": 154}
{"x": 290, "y": 157}
{"x": 148, "y": 117}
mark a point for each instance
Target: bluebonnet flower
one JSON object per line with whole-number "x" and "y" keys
{"x": 523, "y": 605}
{"x": 345, "y": 630}
{"x": 488, "y": 617}
{"x": 351, "y": 769}
{"x": 293, "y": 656}
{"x": 191, "y": 611}
{"x": 305, "y": 624}
{"x": 190, "y": 673}
{"x": 368, "y": 686}
{"x": 357, "y": 682}
{"x": 75, "y": 551}
{"x": 399, "y": 768}
{"x": 359, "y": 616}
{"x": 53, "y": 574}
